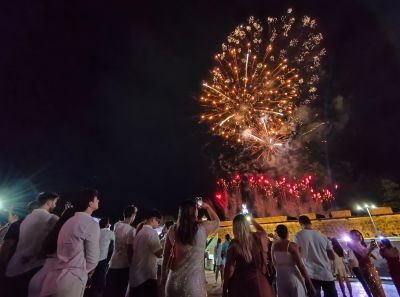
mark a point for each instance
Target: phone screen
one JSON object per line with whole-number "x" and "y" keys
{"x": 199, "y": 201}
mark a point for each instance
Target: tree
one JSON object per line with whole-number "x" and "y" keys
{"x": 391, "y": 194}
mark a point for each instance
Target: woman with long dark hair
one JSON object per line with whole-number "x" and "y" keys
{"x": 246, "y": 264}
{"x": 183, "y": 257}
{"x": 339, "y": 268}
{"x": 363, "y": 255}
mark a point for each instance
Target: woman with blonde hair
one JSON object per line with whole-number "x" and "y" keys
{"x": 246, "y": 264}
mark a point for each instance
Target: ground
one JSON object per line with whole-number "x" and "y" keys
{"x": 215, "y": 290}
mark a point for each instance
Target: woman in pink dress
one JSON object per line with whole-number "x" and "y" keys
{"x": 391, "y": 255}
{"x": 246, "y": 264}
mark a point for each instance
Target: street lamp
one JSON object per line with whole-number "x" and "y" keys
{"x": 367, "y": 207}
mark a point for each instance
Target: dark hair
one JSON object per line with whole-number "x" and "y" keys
{"x": 355, "y": 232}
{"x": 81, "y": 201}
{"x": 129, "y": 211}
{"x": 186, "y": 226}
{"x": 104, "y": 222}
{"x": 46, "y": 196}
{"x": 154, "y": 213}
{"x": 304, "y": 220}
{"x": 227, "y": 237}
{"x": 168, "y": 224}
{"x": 386, "y": 242}
{"x": 282, "y": 231}
{"x": 337, "y": 247}
{"x": 219, "y": 240}
{"x": 49, "y": 245}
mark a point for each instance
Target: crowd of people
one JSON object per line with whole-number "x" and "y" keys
{"x": 76, "y": 255}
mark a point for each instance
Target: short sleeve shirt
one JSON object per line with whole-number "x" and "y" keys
{"x": 144, "y": 262}
{"x": 124, "y": 234}
{"x": 313, "y": 249}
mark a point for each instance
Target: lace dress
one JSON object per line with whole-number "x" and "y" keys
{"x": 289, "y": 281}
{"x": 187, "y": 278}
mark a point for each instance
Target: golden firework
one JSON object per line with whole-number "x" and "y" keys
{"x": 261, "y": 77}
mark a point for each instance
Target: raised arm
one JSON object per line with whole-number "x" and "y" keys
{"x": 212, "y": 225}
{"x": 257, "y": 226}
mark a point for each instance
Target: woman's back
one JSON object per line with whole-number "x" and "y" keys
{"x": 186, "y": 277}
{"x": 288, "y": 277}
{"x": 249, "y": 278}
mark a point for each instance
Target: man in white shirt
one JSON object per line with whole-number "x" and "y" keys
{"x": 118, "y": 274}
{"x": 26, "y": 260}
{"x": 78, "y": 250}
{"x": 317, "y": 252}
{"x": 98, "y": 280}
{"x": 146, "y": 250}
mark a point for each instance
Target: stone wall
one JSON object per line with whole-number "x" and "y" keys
{"x": 388, "y": 225}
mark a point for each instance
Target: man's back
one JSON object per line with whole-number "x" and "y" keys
{"x": 33, "y": 230}
{"x": 144, "y": 262}
{"x": 124, "y": 234}
{"x": 313, "y": 249}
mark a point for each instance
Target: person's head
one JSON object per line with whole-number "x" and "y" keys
{"x": 167, "y": 225}
{"x": 49, "y": 245}
{"x": 243, "y": 236}
{"x": 219, "y": 241}
{"x": 337, "y": 247}
{"x": 47, "y": 200}
{"x": 87, "y": 201}
{"x": 282, "y": 231}
{"x": 186, "y": 226}
{"x": 104, "y": 223}
{"x": 356, "y": 236}
{"x": 227, "y": 237}
{"x": 386, "y": 243}
{"x": 304, "y": 222}
{"x": 130, "y": 213}
{"x": 153, "y": 218}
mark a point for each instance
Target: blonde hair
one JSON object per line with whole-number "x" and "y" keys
{"x": 244, "y": 237}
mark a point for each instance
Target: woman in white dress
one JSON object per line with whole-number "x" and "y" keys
{"x": 339, "y": 268}
{"x": 183, "y": 257}
{"x": 291, "y": 275}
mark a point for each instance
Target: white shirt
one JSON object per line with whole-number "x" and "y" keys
{"x": 124, "y": 234}
{"x": 33, "y": 230}
{"x": 106, "y": 236}
{"x": 144, "y": 262}
{"x": 313, "y": 249}
{"x": 77, "y": 253}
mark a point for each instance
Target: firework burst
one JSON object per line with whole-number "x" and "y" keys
{"x": 264, "y": 72}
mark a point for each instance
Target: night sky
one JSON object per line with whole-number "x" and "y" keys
{"x": 103, "y": 94}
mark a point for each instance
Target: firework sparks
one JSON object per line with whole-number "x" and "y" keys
{"x": 262, "y": 75}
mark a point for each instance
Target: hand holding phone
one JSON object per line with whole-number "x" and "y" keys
{"x": 199, "y": 201}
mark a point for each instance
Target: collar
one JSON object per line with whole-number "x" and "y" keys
{"x": 83, "y": 213}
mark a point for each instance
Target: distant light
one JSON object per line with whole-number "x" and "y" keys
{"x": 244, "y": 209}
{"x": 373, "y": 206}
{"x": 346, "y": 238}
{"x": 359, "y": 207}
{"x": 248, "y": 218}
{"x": 380, "y": 237}
{"x": 366, "y": 205}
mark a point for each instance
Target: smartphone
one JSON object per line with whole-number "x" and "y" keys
{"x": 199, "y": 201}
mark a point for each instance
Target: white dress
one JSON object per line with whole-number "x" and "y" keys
{"x": 289, "y": 281}
{"x": 217, "y": 255}
{"x": 188, "y": 279}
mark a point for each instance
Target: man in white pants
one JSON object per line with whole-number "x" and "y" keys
{"x": 77, "y": 250}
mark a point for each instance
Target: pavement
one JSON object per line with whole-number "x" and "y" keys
{"x": 215, "y": 290}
